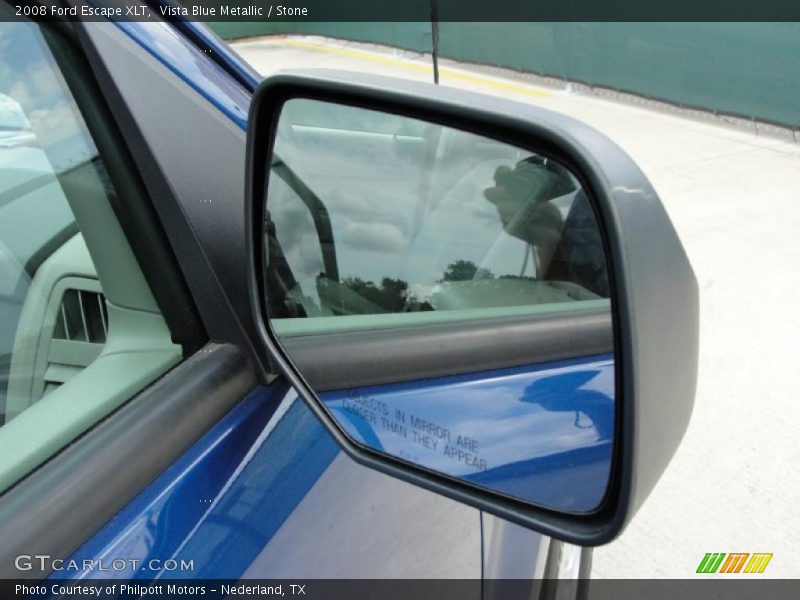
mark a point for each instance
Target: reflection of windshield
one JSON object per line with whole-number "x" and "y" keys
{"x": 367, "y": 222}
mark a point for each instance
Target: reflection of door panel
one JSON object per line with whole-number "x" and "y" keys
{"x": 542, "y": 433}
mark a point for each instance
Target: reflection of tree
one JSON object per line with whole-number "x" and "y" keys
{"x": 393, "y": 294}
{"x": 465, "y": 270}
{"x": 522, "y": 277}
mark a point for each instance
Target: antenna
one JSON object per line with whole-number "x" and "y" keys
{"x": 435, "y": 40}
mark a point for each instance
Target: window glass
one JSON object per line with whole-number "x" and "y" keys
{"x": 68, "y": 354}
{"x": 41, "y": 137}
{"x": 380, "y": 220}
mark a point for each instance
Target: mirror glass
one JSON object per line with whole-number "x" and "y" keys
{"x": 404, "y": 260}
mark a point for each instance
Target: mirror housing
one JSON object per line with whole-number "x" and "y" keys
{"x": 654, "y": 300}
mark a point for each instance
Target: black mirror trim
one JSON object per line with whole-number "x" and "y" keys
{"x": 655, "y": 299}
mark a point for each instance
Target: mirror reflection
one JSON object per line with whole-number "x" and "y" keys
{"x": 379, "y": 223}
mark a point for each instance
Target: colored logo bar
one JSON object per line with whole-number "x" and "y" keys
{"x": 734, "y": 562}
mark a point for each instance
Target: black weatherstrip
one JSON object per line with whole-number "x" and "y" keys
{"x": 64, "y": 502}
{"x": 346, "y": 360}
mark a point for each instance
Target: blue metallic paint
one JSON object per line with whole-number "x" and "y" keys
{"x": 542, "y": 433}
{"x": 221, "y": 52}
{"x": 192, "y": 66}
{"x": 223, "y": 500}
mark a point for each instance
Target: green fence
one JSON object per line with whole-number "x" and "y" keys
{"x": 746, "y": 69}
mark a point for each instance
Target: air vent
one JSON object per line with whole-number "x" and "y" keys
{"x": 83, "y": 317}
{"x": 78, "y": 336}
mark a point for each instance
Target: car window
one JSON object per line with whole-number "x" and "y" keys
{"x": 377, "y": 220}
{"x": 57, "y": 317}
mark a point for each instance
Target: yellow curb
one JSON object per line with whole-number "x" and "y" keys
{"x": 412, "y": 66}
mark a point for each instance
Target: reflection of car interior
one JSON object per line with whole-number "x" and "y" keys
{"x": 507, "y": 270}
{"x": 33, "y": 231}
{"x": 61, "y": 329}
{"x": 81, "y": 331}
{"x": 510, "y": 271}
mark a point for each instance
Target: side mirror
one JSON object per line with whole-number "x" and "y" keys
{"x": 480, "y": 297}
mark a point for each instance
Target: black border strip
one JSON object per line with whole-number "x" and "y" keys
{"x": 448, "y": 10}
{"x": 737, "y": 587}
